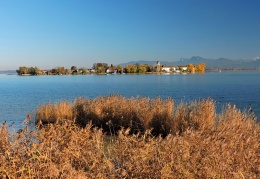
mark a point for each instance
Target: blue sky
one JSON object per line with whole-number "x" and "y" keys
{"x": 52, "y": 33}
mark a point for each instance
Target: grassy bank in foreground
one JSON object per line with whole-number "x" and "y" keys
{"x": 197, "y": 142}
{"x": 113, "y": 112}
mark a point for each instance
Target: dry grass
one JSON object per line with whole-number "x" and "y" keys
{"x": 111, "y": 113}
{"x": 198, "y": 143}
{"x": 53, "y": 113}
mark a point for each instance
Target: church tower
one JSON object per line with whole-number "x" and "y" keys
{"x": 158, "y": 66}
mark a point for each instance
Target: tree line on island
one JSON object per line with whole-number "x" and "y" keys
{"x": 104, "y": 68}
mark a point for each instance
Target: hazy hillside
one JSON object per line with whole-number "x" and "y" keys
{"x": 8, "y": 72}
{"x": 211, "y": 63}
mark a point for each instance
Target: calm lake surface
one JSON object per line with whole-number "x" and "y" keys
{"x": 20, "y": 95}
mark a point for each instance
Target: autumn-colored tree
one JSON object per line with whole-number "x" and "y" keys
{"x": 37, "y": 71}
{"x": 127, "y": 68}
{"x": 141, "y": 69}
{"x": 133, "y": 69}
{"x": 120, "y": 69}
{"x": 83, "y": 71}
{"x": 67, "y": 71}
{"x": 201, "y": 67}
{"x": 59, "y": 71}
{"x": 191, "y": 68}
{"x": 138, "y": 68}
{"x": 62, "y": 70}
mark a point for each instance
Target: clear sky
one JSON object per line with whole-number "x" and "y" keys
{"x": 52, "y": 33}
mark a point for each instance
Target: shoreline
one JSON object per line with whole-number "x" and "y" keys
{"x": 148, "y": 73}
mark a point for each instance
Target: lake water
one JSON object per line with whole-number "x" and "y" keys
{"x": 20, "y": 95}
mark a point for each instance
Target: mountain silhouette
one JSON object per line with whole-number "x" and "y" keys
{"x": 210, "y": 63}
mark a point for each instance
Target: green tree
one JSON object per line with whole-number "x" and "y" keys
{"x": 31, "y": 71}
{"x": 100, "y": 67}
{"x": 22, "y": 70}
{"x": 181, "y": 69}
{"x": 149, "y": 68}
{"x": 74, "y": 68}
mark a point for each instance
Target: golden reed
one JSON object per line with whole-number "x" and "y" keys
{"x": 154, "y": 139}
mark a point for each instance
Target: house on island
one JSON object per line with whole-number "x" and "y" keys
{"x": 169, "y": 69}
{"x": 111, "y": 70}
{"x": 181, "y": 69}
{"x": 164, "y": 68}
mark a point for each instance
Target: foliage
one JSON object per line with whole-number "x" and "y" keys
{"x": 83, "y": 71}
{"x": 100, "y": 67}
{"x": 28, "y": 71}
{"x": 74, "y": 68}
{"x": 120, "y": 69}
{"x": 141, "y": 69}
{"x": 53, "y": 71}
{"x": 131, "y": 69}
{"x": 149, "y": 68}
{"x": 60, "y": 71}
{"x": 191, "y": 68}
{"x": 201, "y": 67}
{"x": 212, "y": 146}
{"x": 138, "y": 68}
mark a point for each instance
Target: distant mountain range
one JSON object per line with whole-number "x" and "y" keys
{"x": 220, "y": 63}
{"x": 8, "y": 72}
{"x": 210, "y": 63}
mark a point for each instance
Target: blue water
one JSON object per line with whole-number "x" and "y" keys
{"x": 20, "y": 95}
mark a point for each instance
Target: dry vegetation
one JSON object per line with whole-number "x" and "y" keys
{"x": 195, "y": 143}
{"x": 114, "y": 112}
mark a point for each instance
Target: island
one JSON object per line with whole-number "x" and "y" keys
{"x": 104, "y": 68}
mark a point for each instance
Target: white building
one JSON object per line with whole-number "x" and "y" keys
{"x": 111, "y": 70}
{"x": 169, "y": 68}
